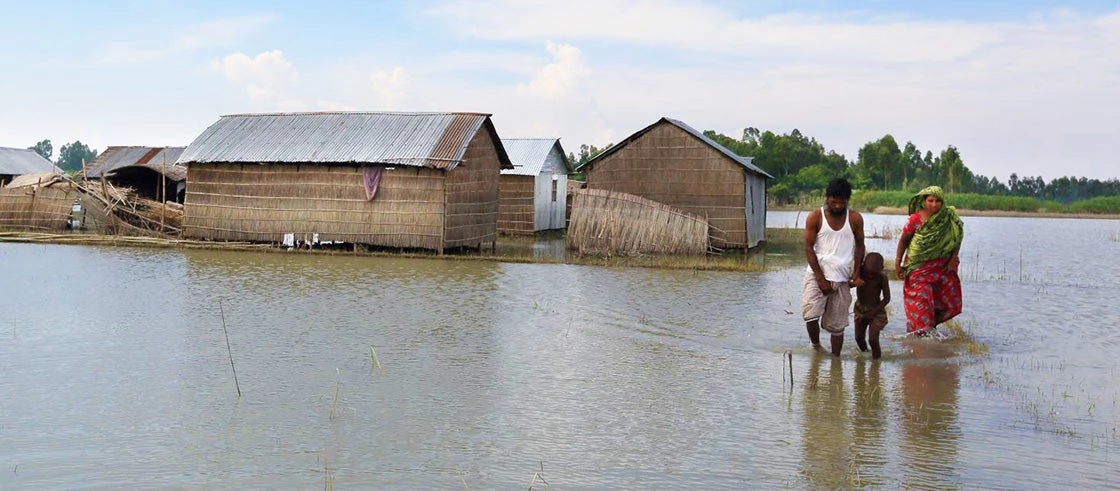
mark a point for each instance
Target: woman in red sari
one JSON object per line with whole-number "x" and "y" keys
{"x": 927, "y": 259}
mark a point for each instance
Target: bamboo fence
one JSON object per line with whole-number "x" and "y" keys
{"x": 613, "y": 223}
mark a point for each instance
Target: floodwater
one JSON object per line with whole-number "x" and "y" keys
{"x": 114, "y": 373}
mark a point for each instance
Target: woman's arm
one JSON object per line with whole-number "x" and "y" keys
{"x": 954, "y": 261}
{"x": 903, "y": 244}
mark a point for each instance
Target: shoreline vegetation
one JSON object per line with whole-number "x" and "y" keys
{"x": 973, "y": 204}
{"x": 892, "y": 210}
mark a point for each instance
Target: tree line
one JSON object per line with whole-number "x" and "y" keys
{"x": 802, "y": 166}
{"x": 70, "y": 156}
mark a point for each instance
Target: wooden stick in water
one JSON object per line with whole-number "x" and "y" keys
{"x": 228, "y": 349}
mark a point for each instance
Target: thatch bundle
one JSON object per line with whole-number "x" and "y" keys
{"x": 614, "y": 223}
{"x": 132, "y": 209}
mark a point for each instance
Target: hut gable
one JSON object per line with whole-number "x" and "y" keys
{"x": 259, "y": 177}
{"x": 533, "y": 193}
{"x": 673, "y": 163}
{"x": 161, "y": 160}
{"x": 532, "y": 156}
{"x": 19, "y": 161}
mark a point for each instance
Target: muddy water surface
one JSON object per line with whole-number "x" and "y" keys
{"x": 114, "y": 373}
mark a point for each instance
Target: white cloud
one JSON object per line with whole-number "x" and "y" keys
{"x": 219, "y": 32}
{"x": 389, "y": 87}
{"x": 697, "y": 26}
{"x": 1028, "y": 96}
{"x": 268, "y": 79}
{"x": 558, "y": 78}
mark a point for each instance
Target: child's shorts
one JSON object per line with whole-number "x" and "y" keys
{"x": 880, "y": 319}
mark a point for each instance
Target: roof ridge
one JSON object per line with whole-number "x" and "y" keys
{"x": 324, "y": 113}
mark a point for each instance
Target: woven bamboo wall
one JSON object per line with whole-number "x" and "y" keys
{"x": 472, "y": 195}
{"x": 515, "y": 205}
{"x": 612, "y": 223}
{"x": 44, "y": 209}
{"x": 670, "y": 166}
{"x": 262, "y": 202}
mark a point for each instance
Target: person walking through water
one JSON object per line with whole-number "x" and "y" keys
{"x": 927, "y": 260}
{"x": 834, "y": 249}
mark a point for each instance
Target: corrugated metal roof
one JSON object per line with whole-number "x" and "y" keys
{"x": 741, "y": 160}
{"x": 114, "y": 158}
{"x": 17, "y": 161}
{"x": 529, "y": 154}
{"x": 437, "y": 140}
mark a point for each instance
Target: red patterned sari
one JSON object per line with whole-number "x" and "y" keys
{"x": 931, "y": 293}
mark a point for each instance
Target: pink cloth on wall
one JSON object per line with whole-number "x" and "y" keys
{"x": 371, "y": 177}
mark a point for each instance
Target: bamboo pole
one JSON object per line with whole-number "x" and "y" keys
{"x": 163, "y": 191}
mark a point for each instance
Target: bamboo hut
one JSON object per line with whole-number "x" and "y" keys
{"x": 405, "y": 180}
{"x": 672, "y": 163}
{"x": 19, "y": 161}
{"x": 37, "y": 202}
{"x": 533, "y": 194}
{"x": 152, "y": 172}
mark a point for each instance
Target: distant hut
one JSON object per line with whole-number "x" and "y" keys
{"x": 672, "y": 163}
{"x": 18, "y": 161}
{"x": 151, "y": 171}
{"x": 408, "y": 180}
{"x": 534, "y": 192}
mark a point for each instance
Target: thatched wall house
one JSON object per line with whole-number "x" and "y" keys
{"x": 533, "y": 194}
{"x": 410, "y": 180}
{"x": 19, "y": 161}
{"x": 151, "y": 171}
{"x": 40, "y": 201}
{"x": 673, "y": 163}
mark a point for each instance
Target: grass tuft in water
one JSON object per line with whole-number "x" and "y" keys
{"x": 539, "y": 476}
{"x": 337, "y": 384}
{"x": 376, "y": 362}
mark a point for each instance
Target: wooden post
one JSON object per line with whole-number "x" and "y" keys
{"x": 31, "y": 219}
{"x": 163, "y": 193}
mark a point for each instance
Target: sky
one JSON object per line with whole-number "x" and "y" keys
{"x": 1030, "y": 87}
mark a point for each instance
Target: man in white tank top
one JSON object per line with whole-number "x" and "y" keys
{"x": 834, "y": 249}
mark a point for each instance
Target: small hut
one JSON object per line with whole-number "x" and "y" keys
{"x": 407, "y": 180}
{"x": 18, "y": 161}
{"x": 40, "y": 201}
{"x": 151, "y": 171}
{"x": 533, "y": 194}
{"x": 672, "y": 163}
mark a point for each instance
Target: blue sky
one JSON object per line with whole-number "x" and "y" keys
{"x": 1031, "y": 86}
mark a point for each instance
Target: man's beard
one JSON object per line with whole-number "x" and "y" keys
{"x": 836, "y": 213}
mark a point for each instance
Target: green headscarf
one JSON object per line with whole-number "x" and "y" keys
{"x": 938, "y": 236}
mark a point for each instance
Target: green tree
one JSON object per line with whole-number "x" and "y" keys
{"x": 43, "y": 148}
{"x": 881, "y": 160}
{"x": 71, "y": 156}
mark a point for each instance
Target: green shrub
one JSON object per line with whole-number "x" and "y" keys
{"x": 1100, "y": 204}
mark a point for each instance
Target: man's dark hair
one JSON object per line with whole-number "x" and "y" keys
{"x": 838, "y": 188}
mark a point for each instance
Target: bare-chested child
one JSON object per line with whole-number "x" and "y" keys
{"x": 871, "y": 302}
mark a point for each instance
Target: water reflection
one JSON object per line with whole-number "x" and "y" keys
{"x": 826, "y": 445}
{"x": 869, "y": 422}
{"x": 930, "y": 430}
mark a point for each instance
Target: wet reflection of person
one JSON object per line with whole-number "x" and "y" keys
{"x": 826, "y": 447}
{"x": 930, "y": 430}
{"x": 869, "y": 423}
